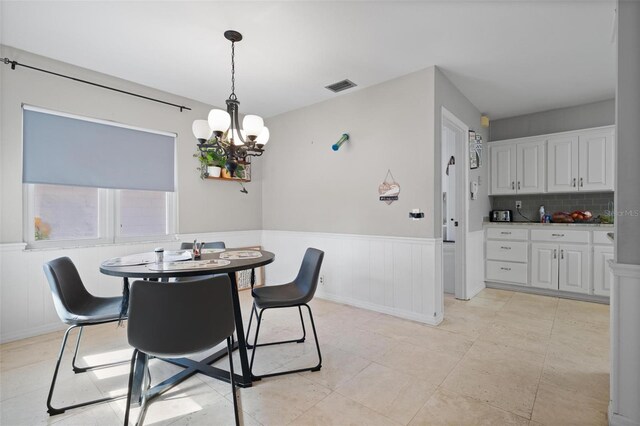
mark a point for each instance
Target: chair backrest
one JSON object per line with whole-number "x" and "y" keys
{"x": 309, "y": 273}
{"x": 214, "y": 245}
{"x": 175, "y": 319}
{"x": 68, "y": 291}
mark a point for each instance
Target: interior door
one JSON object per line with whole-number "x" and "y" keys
{"x": 503, "y": 169}
{"x": 574, "y": 268}
{"x": 602, "y": 275}
{"x": 562, "y": 164}
{"x": 530, "y": 167}
{"x": 596, "y": 161}
{"x": 544, "y": 265}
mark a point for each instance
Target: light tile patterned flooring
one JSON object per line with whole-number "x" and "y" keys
{"x": 501, "y": 358}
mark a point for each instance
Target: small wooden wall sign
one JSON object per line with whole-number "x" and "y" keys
{"x": 389, "y": 189}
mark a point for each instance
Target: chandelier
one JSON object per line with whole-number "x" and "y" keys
{"x": 221, "y": 132}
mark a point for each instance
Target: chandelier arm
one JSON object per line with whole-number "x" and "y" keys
{"x": 235, "y": 118}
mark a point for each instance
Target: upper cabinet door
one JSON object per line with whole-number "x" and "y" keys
{"x": 562, "y": 167}
{"x": 503, "y": 169}
{"x": 530, "y": 167}
{"x": 596, "y": 161}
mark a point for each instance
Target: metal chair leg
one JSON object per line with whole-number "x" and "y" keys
{"x": 139, "y": 365}
{"x": 315, "y": 335}
{"x": 233, "y": 381}
{"x": 52, "y": 410}
{"x": 246, "y": 339}
{"x": 300, "y": 340}
{"x": 77, "y": 369}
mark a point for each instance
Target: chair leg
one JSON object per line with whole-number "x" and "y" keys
{"x": 300, "y": 340}
{"x": 246, "y": 339}
{"x": 77, "y": 369}
{"x": 139, "y": 362}
{"x": 315, "y": 335}
{"x": 233, "y": 381}
{"x": 127, "y": 407}
{"x": 52, "y": 410}
{"x": 255, "y": 340}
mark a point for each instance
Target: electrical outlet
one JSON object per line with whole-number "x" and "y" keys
{"x": 518, "y": 204}
{"x": 321, "y": 279}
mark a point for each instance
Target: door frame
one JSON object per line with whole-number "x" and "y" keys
{"x": 449, "y": 120}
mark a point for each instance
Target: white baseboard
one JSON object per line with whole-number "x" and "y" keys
{"x": 618, "y": 420}
{"x": 382, "y": 309}
{"x": 31, "y": 332}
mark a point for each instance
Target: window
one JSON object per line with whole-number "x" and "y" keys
{"x": 91, "y": 181}
{"x": 60, "y": 215}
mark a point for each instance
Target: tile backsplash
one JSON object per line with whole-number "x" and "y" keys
{"x": 596, "y": 202}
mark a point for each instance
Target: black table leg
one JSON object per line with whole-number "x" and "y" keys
{"x": 124, "y": 306}
{"x": 245, "y": 375}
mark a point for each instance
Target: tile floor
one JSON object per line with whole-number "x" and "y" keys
{"x": 501, "y": 358}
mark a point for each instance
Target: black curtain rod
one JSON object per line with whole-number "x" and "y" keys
{"x": 14, "y": 64}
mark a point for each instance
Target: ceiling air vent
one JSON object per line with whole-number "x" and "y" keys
{"x": 341, "y": 85}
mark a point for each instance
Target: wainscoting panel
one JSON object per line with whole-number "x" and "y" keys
{"x": 25, "y": 299}
{"x": 393, "y": 275}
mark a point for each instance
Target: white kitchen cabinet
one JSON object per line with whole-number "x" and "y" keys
{"x": 596, "y": 151}
{"x": 560, "y": 267}
{"x": 530, "y": 167}
{"x": 602, "y": 275}
{"x": 562, "y": 163}
{"x": 581, "y": 160}
{"x": 503, "y": 169}
{"x": 573, "y": 268}
{"x": 544, "y": 265}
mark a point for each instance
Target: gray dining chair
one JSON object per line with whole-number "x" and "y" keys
{"x": 171, "y": 320}
{"x": 297, "y": 293}
{"x": 77, "y": 308}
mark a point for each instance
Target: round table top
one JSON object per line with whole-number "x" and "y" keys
{"x": 143, "y": 271}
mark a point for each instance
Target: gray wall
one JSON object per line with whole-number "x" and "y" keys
{"x": 448, "y": 96}
{"x": 308, "y": 187}
{"x": 202, "y": 205}
{"x": 628, "y": 135}
{"x": 557, "y": 120}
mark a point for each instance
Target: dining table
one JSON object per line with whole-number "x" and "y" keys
{"x": 212, "y": 261}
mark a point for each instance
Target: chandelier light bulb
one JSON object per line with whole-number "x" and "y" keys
{"x": 235, "y": 138}
{"x": 219, "y": 120}
{"x": 201, "y": 130}
{"x": 252, "y": 125}
{"x": 263, "y": 137}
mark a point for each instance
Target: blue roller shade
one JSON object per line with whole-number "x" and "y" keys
{"x": 64, "y": 150}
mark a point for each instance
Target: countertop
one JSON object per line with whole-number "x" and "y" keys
{"x": 548, "y": 225}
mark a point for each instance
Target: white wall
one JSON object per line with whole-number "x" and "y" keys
{"x": 202, "y": 205}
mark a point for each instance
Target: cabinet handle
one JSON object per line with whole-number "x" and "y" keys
{"x": 555, "y": 253}
{"x": 557, "y": 235}
{"x": 505, "y": 233}
{"x": 505, "y": 248}
{"x": 574, "y": 182}
{"x": 513, "y": 185}
{"x": 561, "y": 254}
{"x": 505, "y": 269}
{"x": 518, "y": 185}
{"x": 581, "y": 182}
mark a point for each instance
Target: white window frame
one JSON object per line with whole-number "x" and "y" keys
{"x": 108, "y": 222}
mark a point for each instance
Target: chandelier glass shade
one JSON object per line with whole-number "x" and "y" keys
{"x": 221, "y": 131}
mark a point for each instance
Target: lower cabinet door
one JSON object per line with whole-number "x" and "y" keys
{"x": 602, "y": 275}
{"x": 544, "y": 265}
{"x": 574, "y": 274}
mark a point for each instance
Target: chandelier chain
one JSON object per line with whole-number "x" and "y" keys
{"x": 233, "y": 72}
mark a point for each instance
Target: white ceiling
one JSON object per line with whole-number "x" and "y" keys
{"x": 508, "y": 58}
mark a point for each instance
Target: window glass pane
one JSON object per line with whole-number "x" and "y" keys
{"x": 65, "y": 212}
{"x": 143, "y": 213}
